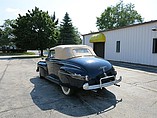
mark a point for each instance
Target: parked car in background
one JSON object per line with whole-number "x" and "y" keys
{"x": 77, "y": 67}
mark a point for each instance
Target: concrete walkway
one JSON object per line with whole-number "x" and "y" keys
{"x": 145, "y": 68}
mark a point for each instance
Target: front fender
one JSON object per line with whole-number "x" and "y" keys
{"x": 42, "y": 67}
{"x": 41, "y": 64}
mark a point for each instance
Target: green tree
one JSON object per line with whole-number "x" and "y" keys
{"x": 118, "y": 16}
{"x": 35, "y": 30}
{"x": 54, "y": 19}
{"x": 57, "y": 32}
{"x": 6, "y": 36}
{"x": 68, "y": 33}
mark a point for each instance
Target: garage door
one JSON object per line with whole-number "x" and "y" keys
{"x": 99, "y": 49}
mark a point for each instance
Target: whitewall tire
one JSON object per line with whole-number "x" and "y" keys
{"x": 67, "y": 90}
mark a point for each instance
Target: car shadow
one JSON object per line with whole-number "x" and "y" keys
{"x": 48, "y": 96}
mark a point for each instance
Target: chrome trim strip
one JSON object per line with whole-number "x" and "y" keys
{"x": 67, "y": 64}
{"x": 76, "y": 76}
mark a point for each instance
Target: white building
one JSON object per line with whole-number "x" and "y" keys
{"x": 134, "y": 44}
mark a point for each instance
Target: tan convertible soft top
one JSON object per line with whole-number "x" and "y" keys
{"x": 70, "y": 51}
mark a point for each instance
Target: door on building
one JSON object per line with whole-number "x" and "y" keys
{"x": 99, "y": 49}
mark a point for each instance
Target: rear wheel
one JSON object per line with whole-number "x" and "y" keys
{"x": 67, "y": 90}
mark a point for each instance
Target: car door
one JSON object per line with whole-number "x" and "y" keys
{"x": 53, "y": 64}
{"x": 49, "y": 61}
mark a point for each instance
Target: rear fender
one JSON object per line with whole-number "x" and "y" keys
{"x": 70, "y": 71}
{"x": 68, "y": 75}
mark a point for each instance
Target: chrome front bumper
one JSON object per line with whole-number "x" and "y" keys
{"x": 86, "y": 86}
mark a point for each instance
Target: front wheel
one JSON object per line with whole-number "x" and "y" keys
{"x": 67, "y": 90}
{"x": 40, "y": 73}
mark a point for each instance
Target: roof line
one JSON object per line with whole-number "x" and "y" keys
{"x": 152, "y": 21}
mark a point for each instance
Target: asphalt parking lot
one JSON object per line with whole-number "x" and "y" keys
{"x": 24, "y": 95}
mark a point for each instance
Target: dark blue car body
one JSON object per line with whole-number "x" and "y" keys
{"x": 87, "y": 72}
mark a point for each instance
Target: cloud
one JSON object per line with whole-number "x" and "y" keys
{"x": 14, "y": 11}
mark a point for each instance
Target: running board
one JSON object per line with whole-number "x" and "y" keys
{"x": 52, "y": 79}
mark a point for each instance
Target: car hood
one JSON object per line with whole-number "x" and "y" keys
{"x": 93, "y": 65}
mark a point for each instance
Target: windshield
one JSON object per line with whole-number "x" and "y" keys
{"x": 81, "y": 52}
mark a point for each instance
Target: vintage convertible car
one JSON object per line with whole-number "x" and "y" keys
{"x": 77, "y": 66}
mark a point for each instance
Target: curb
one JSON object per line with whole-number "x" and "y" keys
{"x": 19, "y": 57}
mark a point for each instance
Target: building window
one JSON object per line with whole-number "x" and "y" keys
{"x": 118, "y": 46}
{"x": 155, "y": 45}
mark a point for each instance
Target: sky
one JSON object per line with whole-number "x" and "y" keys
{"x": 83, "y": 13}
